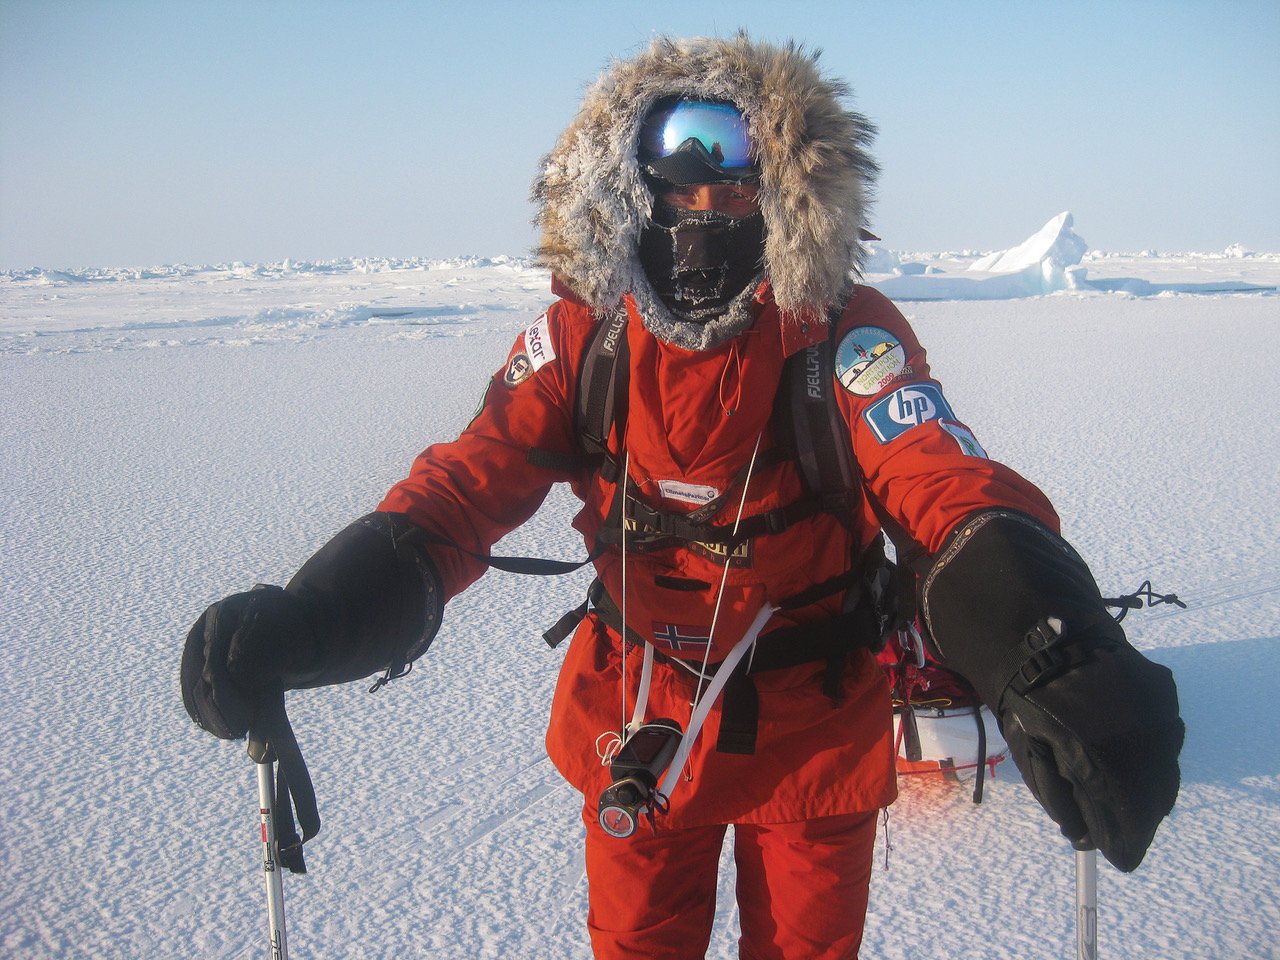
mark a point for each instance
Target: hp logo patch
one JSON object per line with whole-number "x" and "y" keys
{"x": 892, "y": 416}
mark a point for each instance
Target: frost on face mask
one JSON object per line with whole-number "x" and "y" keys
{"x": 699, "y": 261}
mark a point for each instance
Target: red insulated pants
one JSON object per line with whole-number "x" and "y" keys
{"x": 802, "y": 889}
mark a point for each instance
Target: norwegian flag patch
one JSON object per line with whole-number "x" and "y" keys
{"x": 680, "y": 637}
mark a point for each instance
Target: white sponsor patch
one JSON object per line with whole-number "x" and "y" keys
{"x": 537, "y": 343}
{"x": 687, "y": 492}
{"x": 968, "y": 442}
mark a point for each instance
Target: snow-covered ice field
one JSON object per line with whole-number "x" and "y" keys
{"x": 175, "y": 434}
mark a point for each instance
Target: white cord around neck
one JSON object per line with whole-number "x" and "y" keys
{"x": 724, "y": 575}
{"x": 702, "y": 706}
{"x": 643, "y": 695}
{"x": 703, "y": 700}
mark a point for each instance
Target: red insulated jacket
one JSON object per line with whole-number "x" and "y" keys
{"x": 693, "y": 421}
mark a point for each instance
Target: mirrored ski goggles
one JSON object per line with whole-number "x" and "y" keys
{"x": 714, "y": 133}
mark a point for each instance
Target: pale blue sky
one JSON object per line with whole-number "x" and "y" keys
{"x": 139, "y": 133}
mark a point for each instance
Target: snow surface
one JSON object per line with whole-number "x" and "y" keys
{"x": 174, "y": 434}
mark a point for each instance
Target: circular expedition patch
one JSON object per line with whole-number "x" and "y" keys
{"x": 868, "y": 360}
{"x": 518, "y": 370}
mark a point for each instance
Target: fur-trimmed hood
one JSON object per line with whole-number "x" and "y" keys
{"x": 815, "y": 185}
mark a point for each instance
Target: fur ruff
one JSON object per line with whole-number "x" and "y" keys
{"x": 815, "y": 185}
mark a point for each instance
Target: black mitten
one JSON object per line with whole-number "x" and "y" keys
{"x": 1091, "y": 723}
{"x": 239, "y": 652}
{"x": 368, "y": 601}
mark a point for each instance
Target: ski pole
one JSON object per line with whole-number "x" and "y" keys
{"x": 1086, "y": 905}
{"x": 264, "y": 759}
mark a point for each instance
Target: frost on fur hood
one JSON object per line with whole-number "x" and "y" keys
{"x": 816, "y": 178}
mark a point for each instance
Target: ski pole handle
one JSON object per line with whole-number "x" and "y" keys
{"x": 264, "y": 761}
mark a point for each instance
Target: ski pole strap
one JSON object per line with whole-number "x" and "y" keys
{"x": 272, "y": 734}
{"x": 290, "y": 844}
{"x": 982, "y": 753}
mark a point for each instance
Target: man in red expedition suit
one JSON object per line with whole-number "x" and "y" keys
{"x": 705, "y": 205}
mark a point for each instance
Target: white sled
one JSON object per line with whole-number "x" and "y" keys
{"x": 947, "y": 741}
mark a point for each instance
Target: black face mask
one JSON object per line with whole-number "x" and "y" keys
{"x": 698, "y": 261}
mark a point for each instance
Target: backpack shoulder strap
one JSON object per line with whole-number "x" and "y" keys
{"x": 823, "y": 446}
{"x": 602, "y": 389}
{"x": 601, "y": 399}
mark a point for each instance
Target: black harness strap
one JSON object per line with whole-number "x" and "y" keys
{"x": 739, "y": 715}
{"x": 650, "y": 522}
{"x": 830, "y": 640}
{"x": 565, "y": 626}
{"x": 830, "y": 586}
{"x": 535, "y": 566}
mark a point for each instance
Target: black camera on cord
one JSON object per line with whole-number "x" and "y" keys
{"x": 636, "y": 770}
